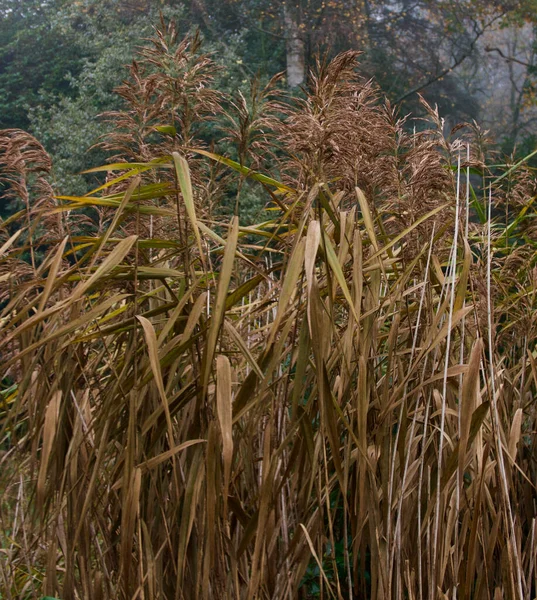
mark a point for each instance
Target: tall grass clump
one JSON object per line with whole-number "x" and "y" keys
{"x": 336, "y": 401}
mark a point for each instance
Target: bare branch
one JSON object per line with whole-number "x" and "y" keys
{"x": 437, "y": 77}
{"x": 509, "y": 59}
{"x": 479, "y": 31}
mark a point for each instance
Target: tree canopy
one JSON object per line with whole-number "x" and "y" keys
{"x": 60, "y": 61}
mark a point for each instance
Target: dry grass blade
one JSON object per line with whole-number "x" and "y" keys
{"x": 224, "y": 405}
{"x": 157, "y": 460}
{"x": 152, "y": 346}
{"x": 112, "y": 260}
{"x": 52, "y": 275}
{"x": 185, "y": 183}
{"x": 469, "y": 400}
{"x": 220, "y": 303}
{"x": 49, "y": 435}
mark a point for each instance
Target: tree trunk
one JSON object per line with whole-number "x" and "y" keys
{"x": 296, "y": 52}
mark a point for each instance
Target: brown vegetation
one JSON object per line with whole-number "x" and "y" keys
{"x": 337, "y": 402}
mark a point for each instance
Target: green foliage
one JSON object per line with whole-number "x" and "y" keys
{"x": 39, "y": 50}
{"x": 68, "y": 125}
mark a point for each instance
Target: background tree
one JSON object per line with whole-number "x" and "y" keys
{"x": 59, "y": 61}
{"x": 39, "y": 49}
